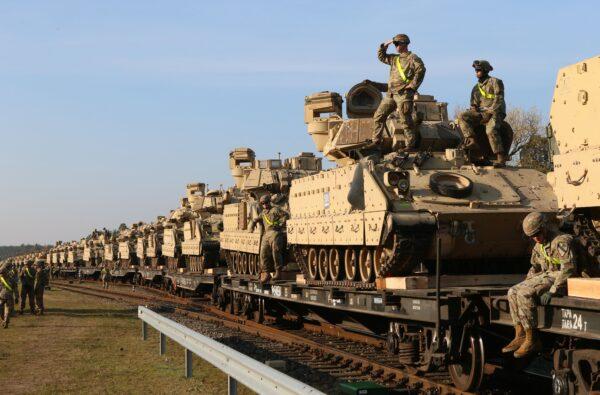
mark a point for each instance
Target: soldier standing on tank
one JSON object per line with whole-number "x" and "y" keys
{"x": 487, "y": 108}
{"x": 41, "y": 280}
{"x": 9, "y": 294}
{"x": 272, "y": 246}
{"x": 27, "y": 277}
{"x": 552, "y": 263}
{"x": 105, "y": 276}
{"x": 406, "y": 75}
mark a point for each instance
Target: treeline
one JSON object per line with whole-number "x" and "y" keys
{"x": 8, "y": 251}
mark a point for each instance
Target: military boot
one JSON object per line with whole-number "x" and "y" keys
{"x": 265, "y": 277}
{"x": 531, "y": 344}
{"x": 501, "y": 159}
{"x": 517, "y": 341}
{"x": 277, "y": 275}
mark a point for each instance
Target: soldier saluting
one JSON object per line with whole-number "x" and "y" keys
{"x": 552, "y": 263}
{"x": 487, "y": 108}
{"x": 406, "y": 75}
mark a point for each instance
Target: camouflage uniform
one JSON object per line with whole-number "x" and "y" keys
{"x": 487, "y": 108}
{"x": 9, "y": 287}
{"x": 27, "y": 277}
{"x": 406, "y": 75}
{"x": 105, "y": 277}
{"x": 41, "y": 280}
{"x": 551, "y": 265}
{"x": 272, "y": 246}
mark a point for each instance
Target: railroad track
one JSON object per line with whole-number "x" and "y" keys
{"x": 318, "y": 355}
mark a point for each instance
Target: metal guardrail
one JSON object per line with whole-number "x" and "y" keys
{"x": 239, "y": 367}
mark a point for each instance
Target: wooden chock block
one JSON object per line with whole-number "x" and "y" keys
{"x": 584, "y": 287}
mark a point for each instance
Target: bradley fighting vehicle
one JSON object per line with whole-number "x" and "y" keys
{"x": 380, "y": 211}
{"x": 93, "y": 253}
{"x": 574, "y": 132}
{"x": 128, "y": 262}
{"x": 254, "y": 178}
{"x": 111, "y": 249}
{"x": 172, "y": 238}
{"x": 148, "y": 251}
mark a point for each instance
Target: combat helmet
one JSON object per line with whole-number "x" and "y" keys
{"x": 401, "y": 39}
{"x": 482, "y": 65}
{"x": 533, "y": 223}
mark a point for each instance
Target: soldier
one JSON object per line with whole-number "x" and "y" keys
{"x": 552, "y": 263}
{"x": 41, "y": 280}
{"x": 105, "y": 276}
{"x": 272, "y": 246}
{"x": 9, "y": 294}
{"x": 487, "y": 108}
{"x": 27, "y": 277}
{"x": 406, "y": 75}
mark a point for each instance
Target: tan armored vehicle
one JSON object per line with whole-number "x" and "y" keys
{"x": 75, "y": 254}
{"x": 575, "y": 135}
{"x": 379, "y": 212}
{"x": 126, "y": 251}
{"x": 93, "y": 253}
{"x": 173, "y": 236}
{"x": 202, "y": 226}
{"x": 255, "y": 178}
{"x": 149, "y": 252}
{"x": 140, "y": 244}
{"x": 111, "y": 250}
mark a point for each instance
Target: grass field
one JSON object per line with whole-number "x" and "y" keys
{"x": 90, "y": 345}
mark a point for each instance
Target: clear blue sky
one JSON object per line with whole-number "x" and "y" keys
{"x": 109, "y": 108}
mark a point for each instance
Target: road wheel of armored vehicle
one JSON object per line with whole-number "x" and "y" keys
{"x": 335, "y": 264}
{"x": 351, "y": 263}
{"x": 313, "y": 264}
{"x": 365, "y": 265}
{"x": 244, "y": 263}
{"x": 323, "y": 264}
{"x": 380, "y": 257}
{"x": 450, "y": 184}
{"x": 467, "y": 372}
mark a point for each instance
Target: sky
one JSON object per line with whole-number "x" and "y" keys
{"x": 109, "y": 108}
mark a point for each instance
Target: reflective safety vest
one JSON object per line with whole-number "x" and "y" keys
{"x": 484, "y": 93}
{"x": 401, "y": 70}
{"x": 271, "y": 223}
{"x": 550, "y": 260}
{"x": 5, "y": 283}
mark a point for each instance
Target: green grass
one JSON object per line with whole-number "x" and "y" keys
{"x": 90, "y": 345}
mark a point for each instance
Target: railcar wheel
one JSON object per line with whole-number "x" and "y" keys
{"x": 335, "y": 264}
{"x": 365, "y": 265}
{"x": 351, "y": 263}
{"x": 313, "y": 264}
{"x": 323, "y": 264}
{"x": 467, "y": 372}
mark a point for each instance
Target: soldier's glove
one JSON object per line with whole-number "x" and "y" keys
{"x": 545, "y": 298}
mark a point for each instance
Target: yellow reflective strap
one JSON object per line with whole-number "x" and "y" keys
{"x": 271, "y": 223}
{"x": 401, "y": 70}
{"x": 552, "y": 261}
{"x": 484, "y": 93}
{"x": 5, "y": 283}
{"x": 27, "y": 272}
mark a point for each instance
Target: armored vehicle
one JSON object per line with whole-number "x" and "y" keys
{"x": 378, "y": 213}
{"x": 75, "y": 254}
{"x": 173, "y": 236}
{"x": 111, "y": 251}
{"x": 575, "y": 143}
{"x": 149, "y": 246}
{"x": 255, "y": 178}
{"x": 93, "y": 253}
{"x": 128, "y": 261}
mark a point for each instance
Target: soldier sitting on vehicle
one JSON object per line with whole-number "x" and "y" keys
{"x": 406, "y": 75}
{"x": 487, "y": 108}
{"x": 552, "y": 263}
{"x": 272, "y": 246}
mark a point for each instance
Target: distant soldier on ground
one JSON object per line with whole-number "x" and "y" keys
{"x": 41, "y": 280}
{"x": 487, "y": 108}
{"x": 406, "y": 75}
{"x": 552, "y": 263}
{"x": 105, "y": 276}
{"x": 272, "y": 246}
{"x": 9, "y": 294}
{"x": 27, "y": 277}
